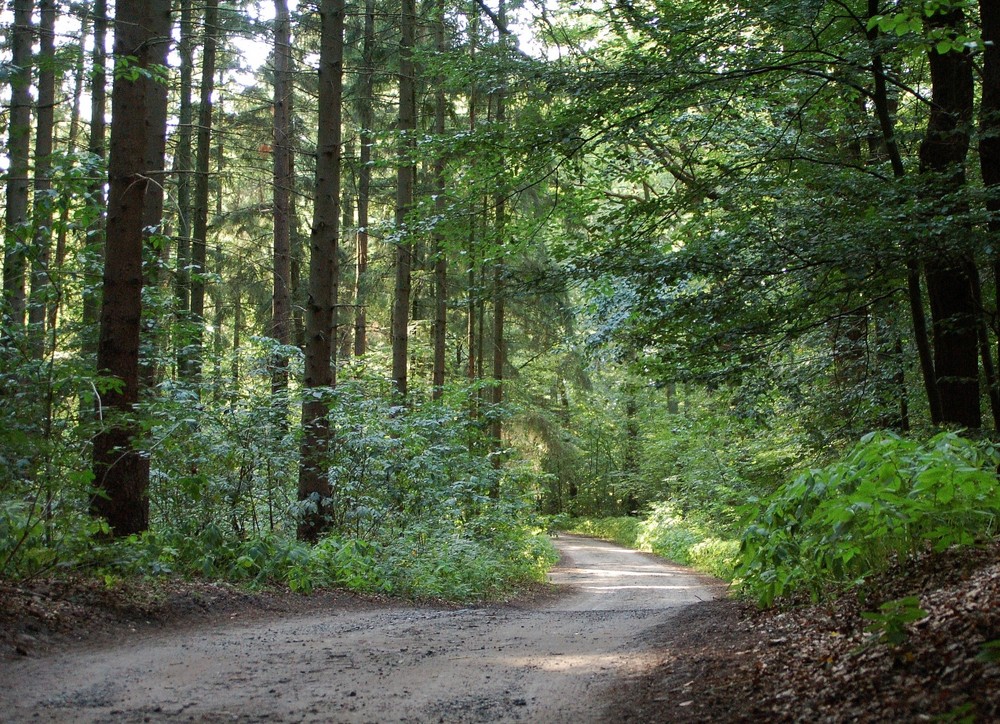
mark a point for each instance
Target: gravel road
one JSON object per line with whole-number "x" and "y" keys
{"x": 553, "y": 662}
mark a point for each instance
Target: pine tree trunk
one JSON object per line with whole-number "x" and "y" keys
{"x": 440, "y": 209}
{"x": 499, "y": 273}
{"x": 121, "y": 472}
{"x": 320, "y": 372}
{"x": 43, "y": 208}
{"x": 59, "y": 261}
{"x": 406, "y": 172}
{"x": 367, "y": 118}
{"x": 17, "y": 233}
{"x": 281, "y": 308}
{"x": 183, "y": 167}
{"x": 199, "y": 236}
{"x": 97, "y": 146}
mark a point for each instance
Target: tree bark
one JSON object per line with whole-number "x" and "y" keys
{"x": 284, "y": 175}
{"x": 321, "y": 319}
{"x": 440, "y": 209}
{"x": 942, "y": 157}
{"x": 499, "y": 273}
{"x": 71, "y": 143}
{"x": 121, "y": 472}
{"x": 43, "y": 208}
{"x": 406, "y": 172}
{"x": 17, "y": 233}
{"x": 367, "y": 117}
{"x": 199, "y": 236}
{"x": 183, "y": 167}
{"x": 97, "y": 147}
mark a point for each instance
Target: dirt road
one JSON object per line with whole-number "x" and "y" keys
{"x": 554, "y": 662}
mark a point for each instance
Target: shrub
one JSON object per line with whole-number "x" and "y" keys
{"x": 889, "y": 496}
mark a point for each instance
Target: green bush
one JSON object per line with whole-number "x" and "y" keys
{"x": 667, "y": 533}
{"x": 889, "y": 496}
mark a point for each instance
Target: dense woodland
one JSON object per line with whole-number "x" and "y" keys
{"x": 368, "y": 293}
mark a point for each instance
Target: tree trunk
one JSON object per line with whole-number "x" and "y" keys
{"x": 284, "y": 178}
{"x": 499, "y": 273}
{"x": 199, "y": 236}
{"x": 43, "y": 209}
{"x": 367, "y": 118}
{"x": 989, "y": 131}
{"x": 121, "y": 473}
{"x": 440, "y": 209}
{"x": 406, "y": 172}
{"x": 320, "y": 373}
{"x": 949, "y": 288}
{"x": 17, "y": 232}
{"x": 71, "y": 143}
{"x": 183, "y": 167}
{"x": 94, "y": 250}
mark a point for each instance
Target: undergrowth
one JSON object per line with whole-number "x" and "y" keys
{"x": 887, "y": 498}
{"x": 667, "y": 533}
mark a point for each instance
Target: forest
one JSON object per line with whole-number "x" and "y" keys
{"x": 374, "y": 294}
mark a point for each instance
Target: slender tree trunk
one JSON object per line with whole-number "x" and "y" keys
{"x": 121, "y": 472}
{"x": 183, "y": 167}
{"x": 152, "y": 228}
{"x": 367, "y": 139}
{"x": 97, "y": 146}
{"x": 281, "y": 308}
{"x": 71, "y": 143}
{"x": 17, "y": 234}
{"x": 199, "y": 237}
{"x": 440, "y": 209}
{"x": 43, "y": 208}
{"x": 320, "y": 372}
{"x": 499, "y": 273}
{"x": 949, "y": 288}
{"x": 406, "y": 172}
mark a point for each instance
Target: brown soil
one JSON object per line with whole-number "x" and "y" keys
{"x": 209, "y": 654}
{"x": 723, "y": 661}
{"x": 621, "y": 637}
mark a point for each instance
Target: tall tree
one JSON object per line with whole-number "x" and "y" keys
{"x": 440, "y": 327}
{"x": 183, "y": 165}
{"x": 17, "y": 234}
{"x": 138, "y": 101}
{"x": 366, "y": 118}
{"x": 949, "y": 271}
{"x": 499, "y": 265}
{"x": 321, "y": 322}
{"x": 97, "y": 147}
{"x": 199, "y": 237}
{"x": 43, "y": 208}
{"x": 406, "y": 174}
{"x": 284, "y": 175}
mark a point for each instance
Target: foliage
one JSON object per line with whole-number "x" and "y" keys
{"x": 665, "y": 532}
{"x": 889, "y": 496}
{"x": 888, "y": 624}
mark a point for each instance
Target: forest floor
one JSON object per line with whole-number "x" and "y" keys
{"x": 621, "y": 636}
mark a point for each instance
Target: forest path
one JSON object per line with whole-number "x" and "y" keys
{"x": 554, "y": 662}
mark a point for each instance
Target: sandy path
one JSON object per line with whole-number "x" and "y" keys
{"x": 552, "y": 663}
